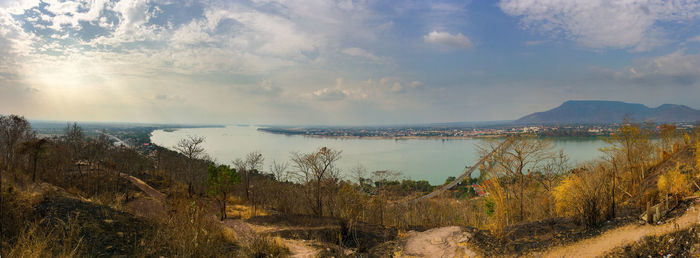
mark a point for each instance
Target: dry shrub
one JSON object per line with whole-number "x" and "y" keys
{"x": 237, "y": 208}
{"x": 584, "y": 195}
{"x": 15, "y": 207}
{"x": 430, "y": 213}
{"x": 674, "y": 182}
{"x": 114, "y": 200}
{"x": 188, "y": 232}
{"x": 36, "y": 240}
{"x": 265, "y": 246}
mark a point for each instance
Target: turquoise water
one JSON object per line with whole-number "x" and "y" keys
{"x": 420, "y": 159}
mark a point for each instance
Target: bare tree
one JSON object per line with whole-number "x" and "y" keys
{"x": 359, "y": 173}
{"x": 252, "y": 164}
{"x": 313, "y": 169}
{"x": 631, "y": 143}
{"x": 34, "y": 148}
{"x": 279, "y": 170}
{"x": 381, "y": 178}
{"x": 191, "y": 148}
{"x": 525, "y": 154}
{"x": 13, "y": 131}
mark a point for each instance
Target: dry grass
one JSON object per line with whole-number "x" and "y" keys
{"x": 237, "y": 208}
{"x": 188, "y": 231}
{"x": 265, "y": 246}
{"x": 36, "y": 240}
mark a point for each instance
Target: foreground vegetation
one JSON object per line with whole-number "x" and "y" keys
{"x": 528, "y": 196}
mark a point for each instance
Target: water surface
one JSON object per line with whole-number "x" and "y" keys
{"x": 420, "y": 159}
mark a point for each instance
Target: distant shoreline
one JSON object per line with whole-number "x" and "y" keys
{"x": 398, "y": 138}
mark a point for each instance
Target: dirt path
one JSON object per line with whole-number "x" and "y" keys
{"x": 438, "y": 242}
{"x": 150, "y": 191}
{"x": 622, "y": 236}
{"x": 299, "y": 249}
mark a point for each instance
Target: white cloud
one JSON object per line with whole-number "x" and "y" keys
{"x": 449, "y": 40}
{"x": 603, "y": 23}
{"x": 694, "y": 39}
{"x": 353, "y": 51}
{"x": 532, "y": 43}
{"x": 328, "y": 94}
{"x": 331, "y": 94}
{"x": 675, "y": 68}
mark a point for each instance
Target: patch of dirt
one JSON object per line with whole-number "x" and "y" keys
{"x": 147, "y": 207}
{"x": 437, "y": 242}
{"x": 300, "y": 249}
{"x": 150, "y": 191}
{"x": 334, "y": 235}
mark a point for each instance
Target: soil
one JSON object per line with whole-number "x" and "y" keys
{"x": 682, "y": 243}
{"x": 625, "y": 236}
{"x": 524, "y": 238}
{"x": 108, "y": 232}
{"x": 437, "y": 242}
{"x": 331, "y": 234}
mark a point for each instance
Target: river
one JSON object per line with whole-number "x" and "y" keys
{"x": 419, "y": 159}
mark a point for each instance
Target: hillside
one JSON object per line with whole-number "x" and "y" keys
{"x": 598, "y": 111}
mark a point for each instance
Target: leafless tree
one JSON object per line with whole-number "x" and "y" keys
{"x": 279, "y": 170}
{"x": 359, "y": 173}
{"x": 313, "y": 169}
{"x": 380, "y": 178}
{"x": 523, "y": 155}
{"x": 13, "y": 131}
{"x": 34, "y": 148}
{"x": 252, "y": 164}
{"x": 191, "y": 148}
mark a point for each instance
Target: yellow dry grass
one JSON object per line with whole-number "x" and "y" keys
{"x": 237, "y": 208}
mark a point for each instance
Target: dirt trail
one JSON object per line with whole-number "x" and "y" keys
{"x": 622, "y": 236}
{"x": 243, "y": 229}
{"x": 150, "y": 191}
{"x": 438, "y": 242}
{"x": 299, "y": 249}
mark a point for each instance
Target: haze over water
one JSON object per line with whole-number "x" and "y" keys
{"x": 419, "y": 159}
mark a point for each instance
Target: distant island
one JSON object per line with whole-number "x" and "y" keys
{"x": 607, "y": 112}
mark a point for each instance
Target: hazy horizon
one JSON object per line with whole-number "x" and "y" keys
{"x": 323, "y": 62}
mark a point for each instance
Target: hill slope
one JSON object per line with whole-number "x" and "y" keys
{"x": 598, "y": 111}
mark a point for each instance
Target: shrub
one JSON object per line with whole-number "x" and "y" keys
{"x": 674, "y": 182}
{"x": 583, "y": 195}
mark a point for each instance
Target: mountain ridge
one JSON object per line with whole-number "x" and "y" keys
{"x": 606, "y": 111}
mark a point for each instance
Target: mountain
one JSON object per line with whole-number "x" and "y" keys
{"x": 599, "y": 111}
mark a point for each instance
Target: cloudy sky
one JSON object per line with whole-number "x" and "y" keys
{"x": 340, "y": 62}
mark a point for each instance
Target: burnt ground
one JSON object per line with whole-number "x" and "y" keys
{"x": 541, "y": 235}
{"x": 332, "y": 235}
{"x": 105, "y": 231}
{"x": 682, "y": 243}
{"x": 534, "y": 236}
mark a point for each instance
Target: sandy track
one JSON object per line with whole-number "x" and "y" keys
{"x": 623, "y": 236}
{"x": 150, "y": 191}
{"x": 299, "y": 249}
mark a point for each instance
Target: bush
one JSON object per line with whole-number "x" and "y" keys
{"x": 584, "y": 195}
{"x": 265, "y": 246}
{"x": 674, "y": 182}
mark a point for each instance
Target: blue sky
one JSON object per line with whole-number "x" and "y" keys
{"x": 340, "y": 62}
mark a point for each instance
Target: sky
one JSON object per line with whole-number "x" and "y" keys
{"x": 340, "y": 62}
